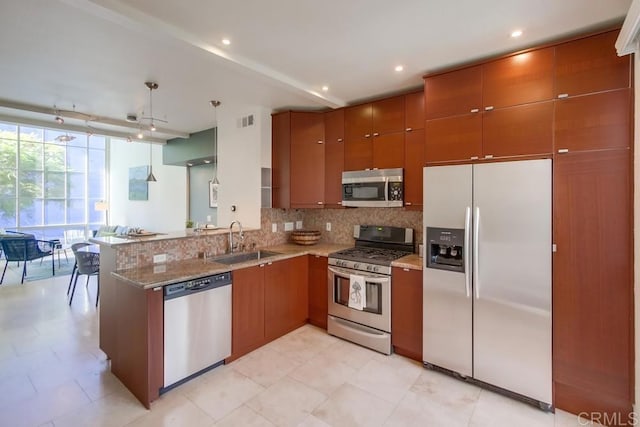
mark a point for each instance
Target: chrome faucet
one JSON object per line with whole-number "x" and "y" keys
{"x": 237, "y": 245}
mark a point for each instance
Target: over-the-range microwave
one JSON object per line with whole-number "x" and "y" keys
{"x": 373, "y": 188}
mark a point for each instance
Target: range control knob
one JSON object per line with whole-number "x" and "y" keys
{"x": 376, "y": 269}
{"x": 356, "y": 265}
{"x": 369, "y": 268}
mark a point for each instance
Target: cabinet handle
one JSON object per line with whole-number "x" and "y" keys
{"x": 408, "y": 203}
{"x": 340, "y": 203}
{"x": 474, "y": 157}
{"x": 475, "y": 110}
{"x": 563, "y": 150}
{"x": 320, "y": 203}
{"x": 563, "y": 95}
{"x": 319, "y": 142}
{"x": 489, "y": 108}
{"x": 409, "y": 129}
{"x": 367, "y": 135}
{"x": 261, "y": 265}
{"x": 339, "y": 139}
{"x": 269, "y": 263}
{"x": 317, "y": 256}
{"x": 405, "y": 269}
{"x": 376, "y": 134}
{"x": 489, "y": 156}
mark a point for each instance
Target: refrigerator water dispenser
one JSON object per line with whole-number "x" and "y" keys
{"x": 445, "y": 249}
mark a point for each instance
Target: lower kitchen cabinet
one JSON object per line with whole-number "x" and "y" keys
{"x": 285, "y": 296}
{"x": 269, "y": 300}
{"x": 406, "y": 312}
{"x": 318, "y": 291}
{"x": 593, "y": 354}
{"x": 248, "y": 310}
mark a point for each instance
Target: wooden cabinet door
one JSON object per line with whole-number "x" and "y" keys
{"x": 453, "y": 138}
{"x": 298, "y": 270}
{"x": 280, "y": 160}
{"x": 453, "y": 93}
{"x": 518, "y": 79}
{"x": 591, "y": 65}
{"x": 592, "y": 284}
{"x": 387, "y": 116}
{"x": 414, "y": 111}
{"x": 277, "y": 300}
{"x": 333, "y": 157}
{"x": 518, "y": 131}
{"x": 358, "y": 154}
{"x": 593, "y": 122}
{"x": 413, "y": 164}
{"x": 307, "y": 160}
{"x": 248, "y": 310}
{"x": 406, "y": 312}
{"x": 318, "y": 291}
{"x": 357, "y": 122}
{"x": 388, "y": 150}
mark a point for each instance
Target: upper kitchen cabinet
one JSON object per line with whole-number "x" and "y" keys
{"x": 333, "y": 157}
{"x": 307, "y": 159}
{"x": 413, "y": 149}
{"x": 453, "y": 93}
{"x": 453, "y": 138}
{"x": 281, "y": 160}
{"x": 365, "y": 128}
{"x": 518, "y": 79}
{"x": 591, "y": 65}
{"x": 414, "y": 111}
{"x": 593, "y": 122}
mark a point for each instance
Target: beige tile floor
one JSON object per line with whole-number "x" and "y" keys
{"x": 53, "y": 374}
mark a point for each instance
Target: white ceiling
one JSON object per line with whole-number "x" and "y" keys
{"x": 97, "y": 54}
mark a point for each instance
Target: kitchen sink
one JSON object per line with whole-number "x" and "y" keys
{"x": 229, "y": 259}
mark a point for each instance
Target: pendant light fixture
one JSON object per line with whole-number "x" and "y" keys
{"x": 215, "y": 104}
{"x": 151, "y": 178}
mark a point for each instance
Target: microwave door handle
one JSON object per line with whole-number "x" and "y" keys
{"x": 386, "y": 189}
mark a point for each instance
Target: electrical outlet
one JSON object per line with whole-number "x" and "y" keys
{"x": 160, "y": 258}
{"x": 208, "y": 218}
{"x": 328, "y": 226}
{"x": 298, "y": 225}
{"x": 274, "y": 228}
{"x": 288, "y": 226}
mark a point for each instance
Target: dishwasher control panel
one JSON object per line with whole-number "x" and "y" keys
{"x": 200, "y": 284}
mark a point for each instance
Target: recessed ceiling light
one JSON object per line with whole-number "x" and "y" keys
{"x": 325, "y": 88}
{"x": 226, "y": 42}
{"x": 516, "y": 33}
{"x": 399, "y": 68}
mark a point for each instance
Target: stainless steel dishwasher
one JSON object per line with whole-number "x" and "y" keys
{"x": 197, "y": 327}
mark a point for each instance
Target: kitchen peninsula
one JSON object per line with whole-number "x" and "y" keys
{"x": 131, "y": 300}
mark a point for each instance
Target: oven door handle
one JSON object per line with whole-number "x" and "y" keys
{"x": 370, "y": 279}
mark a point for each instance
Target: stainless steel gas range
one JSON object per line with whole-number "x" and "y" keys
{"x": 359, "y": 283}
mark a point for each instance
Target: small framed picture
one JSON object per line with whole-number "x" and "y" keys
{"x": 213, "y": 195}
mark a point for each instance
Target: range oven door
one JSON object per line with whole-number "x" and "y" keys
{"x": 377, "y": 307}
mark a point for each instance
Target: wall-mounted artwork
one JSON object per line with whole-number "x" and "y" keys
{"x": 138, "y": 185}
{"x": 213, "y": 195}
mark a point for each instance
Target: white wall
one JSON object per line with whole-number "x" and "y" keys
{"x": 166, "y": 209}
{"x": 240, "y": 154}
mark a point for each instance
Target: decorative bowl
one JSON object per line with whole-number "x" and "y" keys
{"x": 305, "y": 237}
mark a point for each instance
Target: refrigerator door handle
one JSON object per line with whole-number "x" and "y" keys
{"x": 476, "y": 258}
{"x": 467, "y": 251}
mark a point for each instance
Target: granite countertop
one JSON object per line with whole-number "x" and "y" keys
{"x": 111, "y": 241}
{"x": 412, "y": 261}
{"x": 157, "y": 275}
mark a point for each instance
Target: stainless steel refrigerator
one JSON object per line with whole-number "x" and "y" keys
{"x": 487, "y": 274}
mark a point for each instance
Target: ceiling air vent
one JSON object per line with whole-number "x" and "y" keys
{"x": 245, "y": 121}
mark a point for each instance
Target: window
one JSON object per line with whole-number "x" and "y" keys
{"x": 50, "y": 180}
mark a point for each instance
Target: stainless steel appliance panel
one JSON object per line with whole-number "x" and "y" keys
{"x": 369, "y": 337}
{"x": 197, "y": 332}
{"x": 378, "y": 298}
{"x": 512, "y": 273}
{"x": 447, "y": 302}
